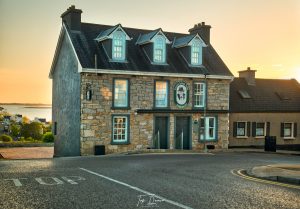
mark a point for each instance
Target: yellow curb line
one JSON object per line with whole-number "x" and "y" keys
{"x": 262, "y": 180}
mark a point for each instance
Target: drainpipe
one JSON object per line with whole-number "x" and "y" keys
{"x": 204, "y": 134}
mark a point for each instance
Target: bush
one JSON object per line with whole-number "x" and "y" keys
{"x": 48, "y": 137}
{"x": 5, "y": 138}
{"x": 29, "y": 139}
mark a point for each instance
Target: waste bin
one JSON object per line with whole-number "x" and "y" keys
{"x": 99, "y": 149}
{"x": 270, "y": 143}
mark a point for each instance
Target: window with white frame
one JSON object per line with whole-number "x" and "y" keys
{"x": 196, "y": 52}
{"x": 120, "y": 129}
{"x": 161, "y": 94}
{"x": 260, "y": 129}
{"x": 199, "y": 94}
{"x": 208, "y": 127}
{"x": 121, "y": 93}
{"x": 241, "y": 129}
{"x": 288, "y": 130}
{"x": 119, "y": 44}
{"x": 159, "y": 49}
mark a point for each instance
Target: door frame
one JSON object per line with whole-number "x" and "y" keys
{"x": 190, "y": 129}
{"x": 168, "y": 127}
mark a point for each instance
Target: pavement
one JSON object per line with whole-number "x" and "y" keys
{"x": 287, "y": 173}
{"x": 26, "y": 152}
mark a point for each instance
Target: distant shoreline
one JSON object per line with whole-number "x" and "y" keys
{"x": 39, "y": 107}
{"x": 32, "y": 105}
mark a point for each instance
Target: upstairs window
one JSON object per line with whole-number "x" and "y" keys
{"x": 159, "y": 49}
{"x": 196, "y": 52}
{"x": 161, "y": 94}
{"x": 199, "y": 94}
{"x": 118, "y": 46}
{"x": 121, "y": 93}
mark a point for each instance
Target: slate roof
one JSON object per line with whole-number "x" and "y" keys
{"x": 86, "y": 48}
{"x": 265, "y": 96}
{"x": 147, "y": 37}
{"x": 183, "y": 40}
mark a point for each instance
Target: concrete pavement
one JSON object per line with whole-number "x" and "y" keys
{"x": 27, "y": 152}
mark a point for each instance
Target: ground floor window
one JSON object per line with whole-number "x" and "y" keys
{"x": 260, "y": 129}
{"x": 208, "y": 128}
{"x": 241, "y": 129}
{"x": 289, "y": 130}
{"x": 120, "y": 129}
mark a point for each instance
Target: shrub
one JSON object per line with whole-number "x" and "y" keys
{"x": 29, "y": 139}
{"x": 48, "y": 137}
{"x": 5, "y": 138}
{"x": 22, "y": 139}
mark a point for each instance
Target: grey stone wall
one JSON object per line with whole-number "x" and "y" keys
{"x": 96, "y": 121}
{"x": 66, "y": 102}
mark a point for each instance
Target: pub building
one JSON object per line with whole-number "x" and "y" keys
{"x": 122, "y": 89}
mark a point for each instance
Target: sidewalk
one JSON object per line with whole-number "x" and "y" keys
{"x": 287, "y": 173}
{"x": 26, "y": 152}
{"x": 262, "y": 151}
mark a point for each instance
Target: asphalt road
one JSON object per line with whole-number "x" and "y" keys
{"x": 177, "y": 181}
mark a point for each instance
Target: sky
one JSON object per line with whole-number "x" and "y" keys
{"x": 263, "y": 35}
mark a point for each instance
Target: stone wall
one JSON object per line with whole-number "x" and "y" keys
{"x": 96, "y": 115}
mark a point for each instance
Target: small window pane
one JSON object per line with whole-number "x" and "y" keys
{"x": 199, "y": 94}
{"x": 118, "y": 52}
{"x": 159, "y": 49}
{"x": 241, "y": 129}
{"x": 260, "y": 129}
{"x": 288, "y": 130}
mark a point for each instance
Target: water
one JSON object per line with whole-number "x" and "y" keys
{"x": 30, "y": 111}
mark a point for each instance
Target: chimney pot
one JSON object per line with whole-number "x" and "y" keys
{"x": 203, "y": 30}
{"x": 249, "y": 75}
{"x": 72, "y": 18}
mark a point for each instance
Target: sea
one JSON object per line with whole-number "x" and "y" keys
{"x": 30, "y": 111}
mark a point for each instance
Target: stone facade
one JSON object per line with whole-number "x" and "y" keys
{"x": 96, "y": 115}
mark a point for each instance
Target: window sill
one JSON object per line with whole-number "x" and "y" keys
{"x": 120, "y": 143}
{"x": 160, "y": 63}
{"x": 259, "y": 137}
{"x": 118, "y": 61}
{"x": 121, "y": 108}
{"x": 289, "y": 138}
{"x": 242, "y": 137}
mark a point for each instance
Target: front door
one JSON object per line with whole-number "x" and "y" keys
{"x": 182, "y": 137}
{"x": 160, "y": 140}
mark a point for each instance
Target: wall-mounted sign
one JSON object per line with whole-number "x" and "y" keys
{"x": 181, "y": 94}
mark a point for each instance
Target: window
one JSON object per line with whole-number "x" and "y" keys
{"x": 199, "y": 94}
{"x": 209, "y": 132}
{"x": 118, "y": 48}
{"x": 260, "y": 129}
{"x": 289, "y": 130}
{"x": 241, "y": 129}
{"x": 196, "y": 52}
{"x": 121, "y": 93}
{"x": 159, "y": 51}
{"x": 120, "y": 129}
{"x": 161, "y": 94}
{"x": 55, "y": 128}
{"x": 244, "y": 94}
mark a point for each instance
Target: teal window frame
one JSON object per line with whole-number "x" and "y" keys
{"x": 120, "y": 133}
{"x": 119, "y": 46}
{"x": 167, "y": 100}
{"x": 196, "y": 52}
{"x": 209, "y": 128}
{"x": 117, "y": 91}
{"x": 159, "y": 50}
{"x": 197, "y": 103}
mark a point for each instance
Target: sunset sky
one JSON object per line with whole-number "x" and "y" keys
{"x": 264, "y": 35}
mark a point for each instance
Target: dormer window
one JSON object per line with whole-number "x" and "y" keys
{"x": 159, "y": 49}
{"x": 113, "y": 40}
{"x": 119, "y": 46}
{"x": 196, "y": 52}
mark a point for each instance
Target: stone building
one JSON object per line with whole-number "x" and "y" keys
{"x": 130, "y": 89}
{"x": 264, "y": 107}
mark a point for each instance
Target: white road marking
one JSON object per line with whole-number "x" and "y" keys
{"x": 137, "y": 189}
{"x": 56, "y": 181}
{"x": 17, "y": 182}
{"x": 73, "y": 179}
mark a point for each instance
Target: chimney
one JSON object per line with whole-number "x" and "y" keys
{"x": 203, "y": 30}
{"x": 72, "y": 18}
{"x": 249, "y": 75}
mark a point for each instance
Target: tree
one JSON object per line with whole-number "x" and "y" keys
{"x": 15, "y": 130}
{"x": 34, "y": 130}
{"x": 48, "y": 137}
{"x": 25, "y": 120}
